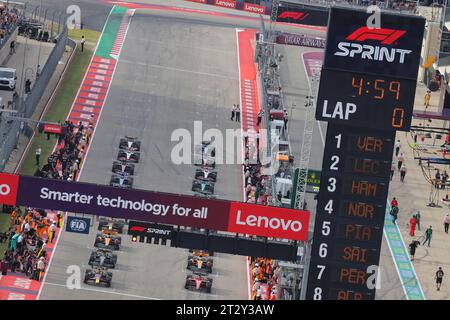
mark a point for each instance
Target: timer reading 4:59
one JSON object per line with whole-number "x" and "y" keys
{"x": 380, "y": 89}
{"x": 365, "y": 100}
{"x": 377, "y": 88}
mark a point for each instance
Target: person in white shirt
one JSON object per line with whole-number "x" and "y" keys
{"x": 38, "y": 154}
{"x": 446, "y": 222}
{"x": 83, "y": 40}
{"x": 398, "y": 145}
{"x": 400, "y": 161}
{"x": 392, "y": 170}
{"x": 52, "y": 230}
{"x": 402, "y": 172}
{"x": 40, "y": 266}
{"x": 258, "y": 293}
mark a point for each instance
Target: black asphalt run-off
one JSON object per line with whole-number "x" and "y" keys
{"x": 93, "y": 13}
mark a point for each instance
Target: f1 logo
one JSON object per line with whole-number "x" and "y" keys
{"x": 293, "y": 15}
{"x": 385, "y": 36}
{"x": 9, "y": 184}
{"x": 138, "y": 229}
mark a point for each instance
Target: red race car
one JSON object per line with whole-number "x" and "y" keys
{"x": 198, "y": 282}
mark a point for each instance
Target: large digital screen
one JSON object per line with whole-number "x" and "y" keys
{"x": 392, "y": 50}
{"x": 350, "y": 213}
{"x": 372, "y": 101}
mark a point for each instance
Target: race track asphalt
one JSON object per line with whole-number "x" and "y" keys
{"x": 176, "y": 68}
{"x": 93, "y": 13}
{"x": 178, "y": 73}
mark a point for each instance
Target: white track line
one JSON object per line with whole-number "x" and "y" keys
{"x": 87, "y": 151}
{"x": 105, "y": 291}
{"x": 178, "y": 69}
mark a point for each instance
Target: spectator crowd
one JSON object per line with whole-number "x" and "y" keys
{"x": 32, "y": 230}
{"x": 9, "y": 18}
{"x": 29, "y": 234}
{"x": 265, "y": 275}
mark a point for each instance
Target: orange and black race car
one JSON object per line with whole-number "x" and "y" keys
{"x": 111, "y": 232}
{"x": 109, "y": 224}
{"x": 201, "y": 253}
{"x": 198, "y": 282}
{"x": 107, "y": 241}
{"x": 196, "y": 263}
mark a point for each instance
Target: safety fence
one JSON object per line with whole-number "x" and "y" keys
{"x": 10, "y": 129}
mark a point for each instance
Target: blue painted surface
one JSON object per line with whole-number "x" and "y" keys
{"x": 400, "y": 255}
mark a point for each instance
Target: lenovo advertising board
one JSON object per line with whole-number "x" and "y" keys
{"x": 394, "y": 49}
{"x": 251, "y": 7}
{"x": 154, "y": 207}
{"x": 225, "y": 3}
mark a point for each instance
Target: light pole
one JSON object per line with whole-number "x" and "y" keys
{"x": 23, "y": 66}
{"x": 59, "y": 21}
{"x": 33, "y": 14}
{"x": 40, "y": 11}
{"x": 51, "y": 28}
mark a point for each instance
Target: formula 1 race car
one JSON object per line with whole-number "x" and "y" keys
{"x": 198, "y": 282}
{"x": 98, "y": 277}
{"x": 204, "y": 161}
{"x": 201, "y": 253}
{"x": 205, "y": 196}
{"x": 206, "y": 149}
{"x": 130, "y": 144}
{"x": 202, "y": 186}
{"x": 103, "y": 258}
{"x": 206, "y": 174}
{"x": 107, "y": 241}
{"x": 121, "y": 181}
{"x": 196, "y": 263}
{"x": 128, "y": 156}
{"x": 109, "y": 224}
{"x": 112, "y": 233}
{"x": 123, "y": 168}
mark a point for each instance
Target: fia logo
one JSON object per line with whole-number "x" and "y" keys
{"x": 78, "y": 225}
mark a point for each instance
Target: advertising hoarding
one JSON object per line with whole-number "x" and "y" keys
{"x": 157, "y": 207}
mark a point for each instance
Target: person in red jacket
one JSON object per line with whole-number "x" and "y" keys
{"x": 412, "y": 225}
{"x": 394, "y": 202}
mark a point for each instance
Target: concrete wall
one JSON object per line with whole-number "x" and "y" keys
{"x": 4, "y": 51}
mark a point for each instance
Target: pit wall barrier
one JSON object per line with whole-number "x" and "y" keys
{"x": 5, "y": 49}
